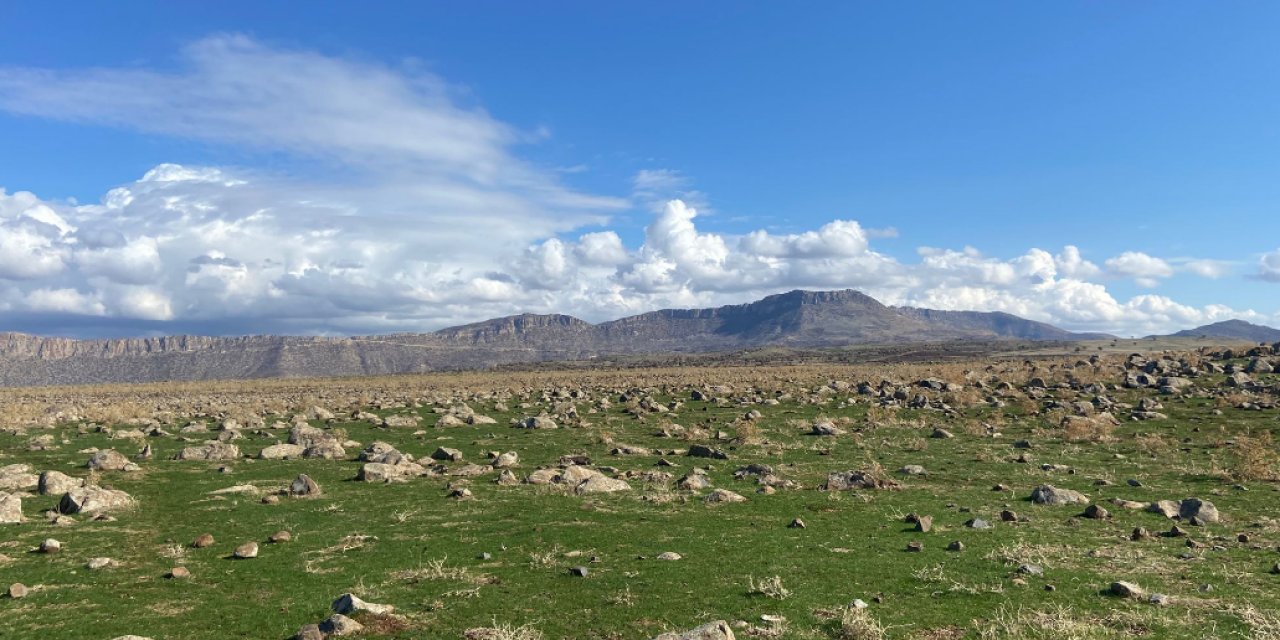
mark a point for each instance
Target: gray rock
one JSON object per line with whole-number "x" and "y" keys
{"x": 10, "y": 509}
{"x": 348, "y": 604}
{"x": 1197, "y": 508}
{"x": 718, "y": 630}
{"x": 1051, "y": 495}
{"x": 93, "y": 500}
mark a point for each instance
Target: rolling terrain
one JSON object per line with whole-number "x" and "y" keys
{"x": 798, "y": 319}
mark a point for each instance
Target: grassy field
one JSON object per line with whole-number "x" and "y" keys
{"x": 502, "y": 557}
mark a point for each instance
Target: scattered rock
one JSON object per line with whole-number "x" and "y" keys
{"x": 1126, "y": 590}
{"x": 718, "y": 630}
{"x": 1051, "y": 495}
{"x": 246, "y": 551}
{"x": 348, "y": 604}
{"x": 304, "y": 487}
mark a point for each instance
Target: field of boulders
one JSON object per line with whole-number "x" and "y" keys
{"x": 1101, "y": 496}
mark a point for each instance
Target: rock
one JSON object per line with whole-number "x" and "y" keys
{"x": 10, "y": 509}
{"x": 309, "y": 632}
{"x": 110, "y": 460}
{"x": 304, "y": 487}
{"x": 446, "y": 454}
{"x": 538, "y": 422}
{"x": 847, "y": 480}
{"x": 57, "y": 483}
{"x": 506, "y": 460}
{"x": 825, "y": 429}
{"x": 281, "y": 452}
{"x": 246, "y": 551}
{"x": 915, "y": 547}
{"x": 1166, "y": 508}
{"x": 1126, "y": 590}
{"x": 941, "y": 433}
{"x": 17, "y": 477}
{"x": 924, "y": 524}
{"x": 348, "y": 604}
{"x": 578, "y": 572}
{"x": 796, "y": 524}
{"x": 1197, "y": 508}
{"x": 601, "y": 484}
{"x": 18, "y": 590}
{"x": 669, "y": 556}
{"x": 1096, "y": 512}
{"x": 92, "y": 500}
{"x": 178, "y": 573}
{"x": 1159, "y": 599}
{"x": 721, "y": 496}
{"x": 94, "y": 564}
{"x": 340, "y": 625}
{"x": 325, "y": 450}
{"x": 50, "y": 545}
{"x": 913, "y": 470}
{"x": 381, "y": 472}
{"x": 703, "y": 451}
{"x": 1051, "y": 495}
{"x": 1031, "y": 570}
{"x": 202, "y": 541}
{"x": 211, "y": 451}
{"x": 956, "y": 546}
{"x": 718, "y": 630}
{"x": 978, "y": 523}
{"x": 280, "y": 537}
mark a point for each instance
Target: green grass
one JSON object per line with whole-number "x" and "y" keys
{"x": 419, "y": 550}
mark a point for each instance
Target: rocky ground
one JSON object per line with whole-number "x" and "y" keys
{"x": 1082, "y": 497}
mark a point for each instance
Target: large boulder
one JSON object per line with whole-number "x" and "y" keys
{"x": 10, "y": 509}
{"x": 110, "y": 460}
{"x": 1197, "y": 508}
{"x": 211, "y": 451}
{"x": 92, "y": 500}
{"x": 847, "y": 480}
{"x": 54, "y": 483}
{"x": 718, "y": 630}
{"x": 281, "y": 452}
{"x": 1051, "y": 495}
{"x": 18, "y": 477}
{"x": 538, "y": 422}
{"x": 382, "y": 472}
{"x": 601, "y": 484}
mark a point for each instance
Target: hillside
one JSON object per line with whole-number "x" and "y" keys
{"x": 797, "y": 319}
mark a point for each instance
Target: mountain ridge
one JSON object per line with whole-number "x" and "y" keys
{"x": 1233, "y": 329}
{"x": 798, "y": 318}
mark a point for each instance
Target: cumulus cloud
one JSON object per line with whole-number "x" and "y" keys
{"x": 435, "y": 220}
{"x": 1144, "y": 269}
{"x": 1269, "y": 267}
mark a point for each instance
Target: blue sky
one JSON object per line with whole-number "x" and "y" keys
{"x": 375, "y": 167}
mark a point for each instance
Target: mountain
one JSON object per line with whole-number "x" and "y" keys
{"x": 794, "y": 319}
{"x": 1231, "y": 329}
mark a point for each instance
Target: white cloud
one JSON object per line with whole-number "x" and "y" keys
{"x": 433, "y": 220}
{"x": 1144, "y": 269}
{"x": 1269, "y": 267}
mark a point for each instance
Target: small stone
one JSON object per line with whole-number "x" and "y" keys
{"x": 1031, "y": 570}
{"x": 1159, "y": 599}
{"x": 50, "y": 546}
{"x": 202, "y": 541}
{"x": 280, "y": 537}
{"x": 271, "y": 499}
{"x": 578, "y": 572}
{"x": 858, "y": 604}
{"x": 1140, "y": 533}
{"x": 95, "y": 564}
{"x": 1096, "y": 512}
{"x": 1008, "y": 516}
{"x": 1049, "y": 587}
{"x": 924, "y": 524}
{"x": 669, "y": 556}
{"x": 796, "y": 524}
{"x": 485, "y": 556}
{"x": 956, "y": 546}
{"x": 1244, "y": 537}
{"x": 178, "y": 573}
{"x": 246, "y": 551}
{"x": 915, "y": 547}
{"x": 978, "y": 523}
{"x": 18, "y": 590}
